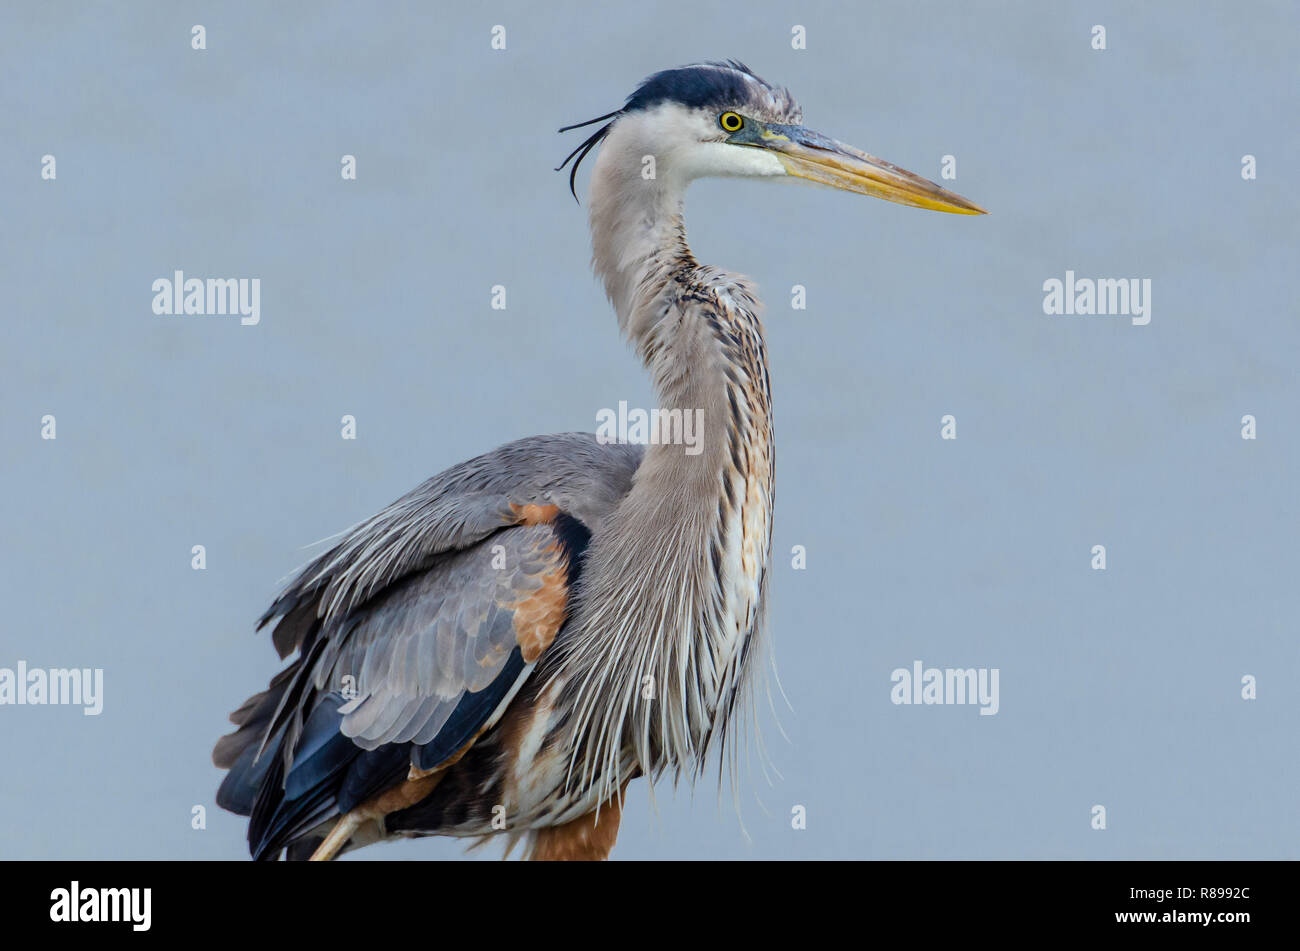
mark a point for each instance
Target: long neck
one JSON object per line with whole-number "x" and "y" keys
{"x": 692, "y": 538}
{"x": 697, "y": 329}
{"x": 638, "y": 236}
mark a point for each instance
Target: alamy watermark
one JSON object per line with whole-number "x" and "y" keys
{"x": 213, "y": 297}
{"x": 130, "y": 905}
{"x": 70, "y": 686}
{"x": 946, "y": 685}
{"x": 660, "y": 427}
{"x": 1103, "y": 297}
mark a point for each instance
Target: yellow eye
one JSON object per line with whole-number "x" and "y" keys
{"x": 731, "y": 122}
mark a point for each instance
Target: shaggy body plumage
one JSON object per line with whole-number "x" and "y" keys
{"x": 505, "y": 648}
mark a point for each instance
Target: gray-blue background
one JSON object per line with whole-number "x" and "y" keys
{"x": 1118, "y": 687}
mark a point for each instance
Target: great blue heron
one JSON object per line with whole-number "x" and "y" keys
{"x": 503, "y": 649}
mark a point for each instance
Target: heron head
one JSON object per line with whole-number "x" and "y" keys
{"x": 720, "y": 119}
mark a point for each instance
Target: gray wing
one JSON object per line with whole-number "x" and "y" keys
{"x": 409, "y": 658}
{"x": 425, "y": 619}
{"x": 511, "y": 485}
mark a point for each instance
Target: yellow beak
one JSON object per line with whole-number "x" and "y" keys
{"x": 817, "y": 158}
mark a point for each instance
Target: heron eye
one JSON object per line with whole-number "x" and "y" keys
{"x": 731, "y": 122}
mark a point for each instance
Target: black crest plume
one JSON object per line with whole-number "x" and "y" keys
{"x": 720, "y": 84}
{"x": 582, "y": 150}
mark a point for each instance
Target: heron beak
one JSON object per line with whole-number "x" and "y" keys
{"x": 818, "y": 158}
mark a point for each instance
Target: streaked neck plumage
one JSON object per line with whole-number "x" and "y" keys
{"x": 672, "y": 591}
{"x": 696, "y": 328}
